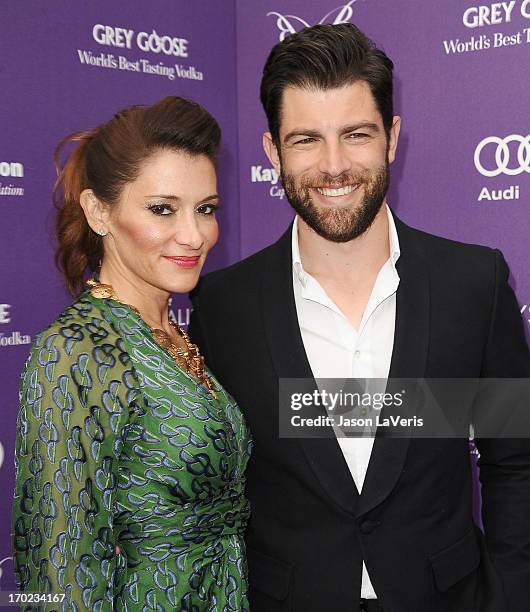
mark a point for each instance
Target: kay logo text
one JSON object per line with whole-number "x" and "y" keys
{"x": 289, "y": 24}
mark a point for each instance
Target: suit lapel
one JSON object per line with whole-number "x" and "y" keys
{"x": 290, "y": 361}
{"x": 409, "y": 356}
{"x": 408, "y": 361}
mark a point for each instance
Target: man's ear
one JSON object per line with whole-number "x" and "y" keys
{"x": 271, "y": 151}
{"x": 393, "y": 138}
{"x": 96, "y": 213}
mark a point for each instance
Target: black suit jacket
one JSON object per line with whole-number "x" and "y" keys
{"x": 456, "y": 316}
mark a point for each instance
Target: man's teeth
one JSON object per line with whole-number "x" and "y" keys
{"x": 336, "y": 192}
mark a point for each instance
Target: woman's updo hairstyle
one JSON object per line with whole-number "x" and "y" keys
{"x": 110, "y": 156}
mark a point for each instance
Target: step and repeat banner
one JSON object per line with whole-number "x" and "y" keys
{"x": 68, "y": 66}
{"x": 461, "y": 87}
{"x": 463, "y": 160}
{"x": 463, "y": 163}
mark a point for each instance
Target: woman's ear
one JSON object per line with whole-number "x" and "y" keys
{"x": 96, "y": 212}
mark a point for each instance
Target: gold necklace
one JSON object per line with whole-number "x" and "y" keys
{"x": 189, "y": 359}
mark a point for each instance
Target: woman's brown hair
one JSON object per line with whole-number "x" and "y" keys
{"x": 108, "y": 157}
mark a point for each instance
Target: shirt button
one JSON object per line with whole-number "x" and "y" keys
{"x": 357, "y": 353}
{"x": 368, "y": 526}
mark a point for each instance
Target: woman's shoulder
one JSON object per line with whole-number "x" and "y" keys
{"x": 83, "y": 345}
{"x": 80, "y": 323}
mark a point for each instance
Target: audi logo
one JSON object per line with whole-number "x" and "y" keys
{"x": 502, "y": 155}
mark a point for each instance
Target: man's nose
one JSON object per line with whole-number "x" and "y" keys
{"x": 334, "y": 160}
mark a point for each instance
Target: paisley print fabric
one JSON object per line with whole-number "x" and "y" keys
{"x": 116, "y": 445}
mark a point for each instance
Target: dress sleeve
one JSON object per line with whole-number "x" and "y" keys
{"x": 78, "y": 394}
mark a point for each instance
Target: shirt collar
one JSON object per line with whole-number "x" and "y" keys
{"x": 393, "y": 239}
{"x": 297, "y": 260}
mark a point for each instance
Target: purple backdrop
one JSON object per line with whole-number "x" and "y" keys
{"x": 463, "y": 158}
{"x": 449, "y": 103}
{"x": 49, "y": 89}
{"x": 463, "y": 100}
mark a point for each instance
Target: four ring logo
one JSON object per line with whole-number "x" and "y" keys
{"x": 289, "y": 24}
{"x": 502, "y": 155}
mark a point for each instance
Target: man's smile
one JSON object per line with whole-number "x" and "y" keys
{"x": 341, "y": 191}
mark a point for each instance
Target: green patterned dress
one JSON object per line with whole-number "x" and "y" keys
{"x": 116, "y": 445}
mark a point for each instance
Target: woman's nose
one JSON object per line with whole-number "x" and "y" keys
{"x": 188, "y": 232}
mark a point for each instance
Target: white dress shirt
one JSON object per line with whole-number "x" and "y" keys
{"x": 335, "y": 349}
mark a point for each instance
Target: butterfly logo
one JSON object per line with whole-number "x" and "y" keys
{"x": 289, "y": 24}
{"x": 2, "y": 563}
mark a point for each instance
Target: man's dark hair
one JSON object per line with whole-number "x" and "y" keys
{"x": 325, "y": 57}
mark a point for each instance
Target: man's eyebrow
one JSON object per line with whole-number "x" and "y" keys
{"x": 362, "y": 125}
{"x": 309, "y": 133}
{"x": 301, "y": 132}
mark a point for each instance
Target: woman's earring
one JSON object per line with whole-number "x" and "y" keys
{"x": 102, "y": 232}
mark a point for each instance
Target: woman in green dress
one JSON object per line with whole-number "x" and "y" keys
{"x": 130, "y": 455}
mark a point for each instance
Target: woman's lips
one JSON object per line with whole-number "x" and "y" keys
{"x": 184, "y": 262}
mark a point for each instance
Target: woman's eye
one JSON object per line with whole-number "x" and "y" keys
{"x": 161, "y": 209}
{"x": 207, "y": 209}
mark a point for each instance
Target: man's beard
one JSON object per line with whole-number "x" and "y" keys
{"x": 339, "y": 223}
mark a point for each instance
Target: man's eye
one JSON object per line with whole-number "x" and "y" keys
{"x": 304, "y": 141}
{"x": 357, "y": 135}
{"x": 160, "y": 209}
{"x": 207, "y": 209}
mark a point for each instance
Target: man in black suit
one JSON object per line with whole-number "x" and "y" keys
{"x": 350, "y": 291}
